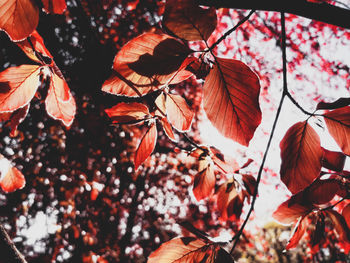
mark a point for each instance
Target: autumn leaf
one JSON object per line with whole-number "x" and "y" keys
{"x": 59, "y": 102}
{"x": 145, "y": 63}
{"x": 292, "y": 209}
{"x": 11, "y": 178}
{"x": 187, "y": 20}
{"x": 231, "y": 99}
{"x": 298, "y": 233}
{"x": 339, "y": 103}
{"x": 338, "y": 124}
{"x": 229, "y": 201}
{"x": 54, "y": 6}
{"x": 225, "y": 163}
{"x": 18, "y": 18}
{"x": 178, "y": 112}
{"x": 301, "y": 155}
{"x": 189, "y": 249}
{"x": 322, "y": 191}
{"x": 146, "y": 146}
{"x": 340, "y": 225}
{"x": 39, "y": 47}
{"x": 333, "y": 160}
{"x": 127, "y": 112}
{"x": 204, "y": 181}
{"x": 168, "y": 129}
{"x": 18, "y": 86}
{"x": 346, "y": 214}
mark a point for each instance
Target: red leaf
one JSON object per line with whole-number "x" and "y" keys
{"x": 18, "y": 18}
{"x": 54, "y": 6}
{"x": 167, "y": 129}
{"x": 298, "y": 233}
{"x": 231, "y": 99}
{"x": 249, "y": 182}
{"x": 145, "y": 63}
{"x": 333, "y": 160}
{"x": 338, "y": 124}
{"x": 146, "y": 146}
{"x": 290, "y": 210}
{"x": 187, "y": 20}
{"x": 18, "y": 86}
{"x": 179, "y": 113}
{"x": 11, "y": 178}
{"x": 339, "y": 224}
{"x": 127, "y": 112}
{"x": 39, "y": 47}
{"x": 187, "y": 250}
{"x": 17, "y": 117}
{"x": 301, "y": 155}
{"x": 226, "y": 193}
{"x": 226, "y": 164}
{"x": 322, "y": 191}
{"x": 342, "y": 102}
{"x": 59, "y": 102}
{"x": 204, "y": 181}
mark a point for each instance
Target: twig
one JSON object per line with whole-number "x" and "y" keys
{"x": 235, "y": 239}
{"x": 231, "y": 30}
{"x": 9, "y": 252}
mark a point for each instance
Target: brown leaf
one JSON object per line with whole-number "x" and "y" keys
{"x": 340, "y": 225}
{"x": 204, "y": 181}
{"x": 188, "y": 250}
{"x": 187, "y": 20}
{"x": 145, "y": 63}
{"x": 127, "y": 112}
{"x": 338, "y": 124}
{"x": 342, "y": 102}
{"x": 18, "y": 18}
{"x": 178, "y": 112}
{"x": 18, "y": 86}
{"x": 333, "y": 160}
{"x": 231, "y": 99}
{"x": 146, "y": 146}
{"x": 301, "y": 155}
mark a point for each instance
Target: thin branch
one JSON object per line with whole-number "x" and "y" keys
{"x": 224, "y": 36}
{"x": 9, "y": 252}
{"x": 258, "y": 179}
{"x": 323, "y": 12}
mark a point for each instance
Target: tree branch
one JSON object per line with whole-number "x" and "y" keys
{"x": 9, "y": 252}
{"x": 324, "y": 12}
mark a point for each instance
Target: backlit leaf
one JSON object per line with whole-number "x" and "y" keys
{"x": 179, "y": 113}
{"x": 298, "y": 233}
{"x": 333, "y": 160}
{"x": 340, "y": 225}
{"x": 146, "y": 146}
{"x": 301, "y": 155}
{"x": 54, "y": 6}
{"x": 322, "y": 191}
{"x": 227, "y": 198}
{"x": 338, "y": 124}
{"x": 17, "y": 117}
{"x": 145, "y": 63}
{"x": 11, "y": 178}
{"x": 127, "y": 112}
{"x": 231, "y": 99}
{"x": 187, "y": 20}
{"x": 226, "y": 163}
{"x": 18, "y": 86}
{"x": 204, "y": 181}
{"x": 168, "y": 129}
{"x": 39, "y": 46}
{"x": 292, "y": 209}
{"x": 346, "y": 214}
{"x": 59, "y": 102}
{"x": 18, "y": 18}
{"x": 189, "y": 250}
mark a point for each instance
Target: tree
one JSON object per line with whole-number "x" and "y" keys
{"x": 102, "y": 167}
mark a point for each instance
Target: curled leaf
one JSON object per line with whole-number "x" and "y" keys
{"x": 146, "y": 146}
{"x": 127, "y": 112}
